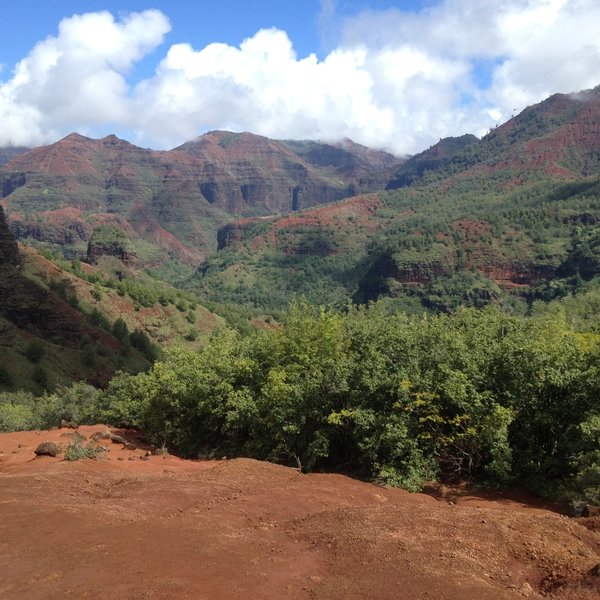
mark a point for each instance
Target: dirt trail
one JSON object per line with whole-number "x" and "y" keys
{"x": 165, "y": 528}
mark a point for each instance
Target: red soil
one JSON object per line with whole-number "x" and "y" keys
{"x": 165, "y": 528}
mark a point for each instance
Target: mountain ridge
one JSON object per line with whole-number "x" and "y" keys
{"x": 171, "y": 203}
{"x": 478, "y": 221}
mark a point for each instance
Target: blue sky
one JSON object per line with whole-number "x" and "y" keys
{"x": 199, "y": 22}
{"x": 392, "y": 74}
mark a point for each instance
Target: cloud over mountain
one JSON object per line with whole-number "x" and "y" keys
{"x": 399, "y": 80}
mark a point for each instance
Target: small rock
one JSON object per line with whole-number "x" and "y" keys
{"x": 148, "y": 453}
{"x": 47, "y": 449}
{"x": 120, "y": 458}
{"x": 595, "y": 571}
{"x": 116, "y": 439}
{"x": 129, "y": 446}
{"x": 69, "y": 424}
{"x": 526, "y": 589}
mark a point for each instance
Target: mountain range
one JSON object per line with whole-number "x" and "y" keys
{"x": 468, "y": 221}
{"x": 170, "y": 204}
{"x": 245, "y": 223}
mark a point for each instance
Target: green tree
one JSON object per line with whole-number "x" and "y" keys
{"x": 120, "y": 330}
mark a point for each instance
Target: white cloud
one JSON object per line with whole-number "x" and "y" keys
{"x": 77, "y": 79}
{"x": 395, "y": 79}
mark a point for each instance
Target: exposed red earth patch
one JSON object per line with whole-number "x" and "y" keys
{"x": 165, "y": 528}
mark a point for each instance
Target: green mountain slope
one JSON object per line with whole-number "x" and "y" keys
{"x": 496, "y": 220}
{"x": 62, "y": 322}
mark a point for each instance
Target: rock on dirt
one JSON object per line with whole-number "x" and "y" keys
{"x": 47, "y": 449}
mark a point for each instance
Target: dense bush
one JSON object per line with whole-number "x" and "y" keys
{"x": 17, "y": 411}
{"x": 20, "y": 411}
{"x": 478, "y": 394}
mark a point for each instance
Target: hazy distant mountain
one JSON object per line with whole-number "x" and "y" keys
{"x": 10, "y": 152}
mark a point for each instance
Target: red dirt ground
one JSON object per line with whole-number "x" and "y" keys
{"x": 165, "y": 528}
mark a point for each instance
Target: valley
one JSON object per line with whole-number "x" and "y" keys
{"x": 300, "y": 300}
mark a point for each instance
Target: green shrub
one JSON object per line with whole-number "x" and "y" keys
{"x": 401, "y": 400}
{"x": 140, "y": 341}
{"x": 191, "y": 335}
{"x": 16, "y": 417}
{"x": 77, "y": 449}
{"x": 120, "y": 330}
{"x": 98, "y": 319}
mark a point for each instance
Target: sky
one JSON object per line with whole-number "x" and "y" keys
{"x": 391, "y": 74}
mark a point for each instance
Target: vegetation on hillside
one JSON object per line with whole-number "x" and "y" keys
{"x": 477, "y": 395}
{"x": 474, "y": 244}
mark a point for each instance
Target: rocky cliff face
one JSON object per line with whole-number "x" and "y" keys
{"x": 244, "y": 173}
{"x": 110, "y": 241}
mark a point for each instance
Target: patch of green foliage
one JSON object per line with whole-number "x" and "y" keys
{"x": 477, "y": 395}
{"x": 21, "y": 410}
{"x": 77, "y": 449}
{"x": 418, "y": 238}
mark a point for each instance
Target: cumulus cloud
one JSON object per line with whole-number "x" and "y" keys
{"x": 77, "y": 79}
{"x": 395, "y": 79}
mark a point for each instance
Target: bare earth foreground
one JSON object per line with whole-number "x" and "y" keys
{"x": 123, "y": 527}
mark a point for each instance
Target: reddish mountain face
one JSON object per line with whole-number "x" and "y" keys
{"x": 274, "y": 177}
{"x": 175, "y": 200}
{"x": 558, "y": 138}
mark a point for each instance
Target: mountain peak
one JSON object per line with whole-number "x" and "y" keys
{"x": 75, "y": 137}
